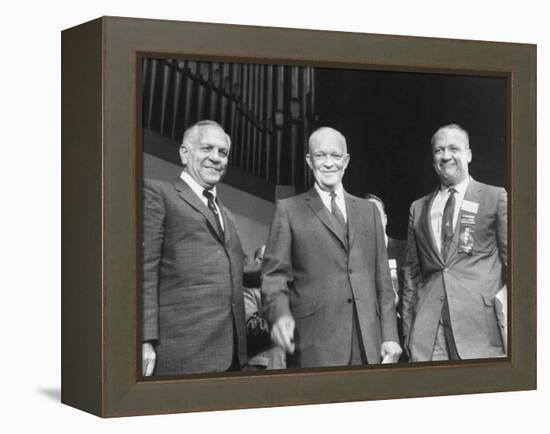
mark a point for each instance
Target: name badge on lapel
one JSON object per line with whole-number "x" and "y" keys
{"x": 467, "y": 227}
{"x": 469, "y": 206}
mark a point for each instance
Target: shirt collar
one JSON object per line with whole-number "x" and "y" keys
{"x": 195, "y": 186}
{"x": 460, "y": 187}
{"x": 339, "y": 190}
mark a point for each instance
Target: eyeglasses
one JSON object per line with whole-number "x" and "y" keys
{"x": 321, "y": 156}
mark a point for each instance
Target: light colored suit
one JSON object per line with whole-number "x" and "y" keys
{"x": 192, "y": 282}
{"x": 310, "y": 271}
{"x": 470, "y": 280}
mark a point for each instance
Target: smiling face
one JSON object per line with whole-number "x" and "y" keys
{"x": 451, "y": 155}
{"x": 327, "y": 158}
{"x": 204, "y": 154}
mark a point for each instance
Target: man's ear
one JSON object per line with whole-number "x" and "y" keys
{"x": 346, "y": 161}
{"x": 469, "y": 155}
{"x": 309, "y": 162}
{"x": 184, "y": 154}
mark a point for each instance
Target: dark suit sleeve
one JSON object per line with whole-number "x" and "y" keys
{"x": 251, "y": 272}
{"x": 411, "y": 277}
{"x": 251, "y": 268}
{"x": 384, "y": 288}
{"x": 277, "y": 270}
{"x": 502, "y": 230}
{"x": 153, "y": 237}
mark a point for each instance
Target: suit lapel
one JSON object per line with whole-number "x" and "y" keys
{"x": 353, "y": 217}
{"x": 427, "y": 225}
{"x": 227, "y": 223}
{"x": 185, "y": 192}
{"x": 316, "y": 204}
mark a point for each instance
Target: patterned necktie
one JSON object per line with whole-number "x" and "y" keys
{"x": 336, "y": 212}
{"x": 214, "y": 210}
{"x": 447, "y": 224}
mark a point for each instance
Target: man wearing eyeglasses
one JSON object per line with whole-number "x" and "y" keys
{"x": 326, "y": 285}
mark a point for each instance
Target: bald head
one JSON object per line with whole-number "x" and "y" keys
{"x": 449, "y": 128}
{"x": 325, "y": 134}
{"x": 327, "y": 157}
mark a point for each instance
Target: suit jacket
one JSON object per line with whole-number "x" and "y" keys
{"x": 310, "y": 271}
{"x": 468, "y": 280}
{"x": 192, "y": 282}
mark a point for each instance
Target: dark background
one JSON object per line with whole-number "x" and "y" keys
{"x": 388, "y": 119}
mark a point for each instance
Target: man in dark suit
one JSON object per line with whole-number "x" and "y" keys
{"x": 456, "y": 260}
{"x": 193, "y": 309}
{"x": 326, "y": 286}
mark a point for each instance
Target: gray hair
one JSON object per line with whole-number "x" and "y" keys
{"x": 192, "y": 134}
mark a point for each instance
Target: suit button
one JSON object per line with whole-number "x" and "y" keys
{"x": 350, "y": 271}
{"x": 349, "y": 300}
{"x": 442, "y": 298}
{"x": 445, "y": 269}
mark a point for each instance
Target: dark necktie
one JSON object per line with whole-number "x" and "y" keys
{"x": 446, "y": 239}
{"x": 336, "y": 212}
{"x": 214, "y": 210}
{"x": 447, "y": 224}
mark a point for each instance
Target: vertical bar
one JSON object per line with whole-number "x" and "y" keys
{"x": 164, "y": 100}
{"x": 261, "y": 123}
{"x": 212, "y": 85}
{"x": 144, "y": 76}
{"x": 225, "y": 93}
{"x": 294, "y": 114}
{"x": 253, "y": 141}
{"x": 244, "y": 94}
{"x": 249, "y": 125}
{"x": 304, "y": 80}
{"x": 269, "y": 121}
{"x": 188, "y": 100}
{"x": 177, "y": 92}
{"x": 152, "y": 92}
{"x": 279, "y": 123}
{"x": 200, "y": 100}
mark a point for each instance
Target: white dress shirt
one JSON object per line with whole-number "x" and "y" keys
{"x": 198, "y": 189}
{"x": 340, "y": 201}
{"x": 438, "y": 206}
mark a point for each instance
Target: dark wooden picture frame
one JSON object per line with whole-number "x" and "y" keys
{"x": 101, "y": 183}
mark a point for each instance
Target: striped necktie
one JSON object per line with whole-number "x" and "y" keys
{"x": 214, "y": 210}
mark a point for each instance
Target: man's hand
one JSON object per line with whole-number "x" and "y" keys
{"x": 282, "y": 333}
{"x": 391, "y": 351}
{"x": 149, "y": 357}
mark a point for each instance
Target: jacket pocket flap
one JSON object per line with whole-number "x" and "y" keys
{"x": 303, "y": 310}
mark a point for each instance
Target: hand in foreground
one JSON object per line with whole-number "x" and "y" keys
{"x": 149, "y": 357}
{"x": 391, "y": 351}
{"x": 282, "y": 333}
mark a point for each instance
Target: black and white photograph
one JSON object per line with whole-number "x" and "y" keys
{"x": 275, "y": 217}
{"x": 302, "y": 216}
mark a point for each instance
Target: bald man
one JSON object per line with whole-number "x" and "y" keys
{"x": 456, "y": 260}
{"x": 326, "y": 285}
